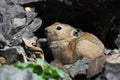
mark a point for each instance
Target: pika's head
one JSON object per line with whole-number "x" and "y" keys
{"x": 60, "y": 31}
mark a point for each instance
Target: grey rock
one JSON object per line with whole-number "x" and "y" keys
{"x": 13, "y": 54}
{"x": 17, "y": 22}
{"x": 30, "y": 16}
{"x": 107, "y": 51}
{"x": 26, "y": 31}
{"x": 8, "y": 12}
{"x": 2, "y": 38}
{"x": 112, "y": 71}
{"x": 117, "y": 41}
{"x": 10, "y": 54}
{"x": 2, "y": 41}
{"x": 12, "y": 73}
{"x": 79, "y": 67}
{"x": 35, "y": 25}
{"x": 24, "y": 1}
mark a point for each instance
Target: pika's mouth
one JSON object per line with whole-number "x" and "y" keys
{"x": 48, "y": 33}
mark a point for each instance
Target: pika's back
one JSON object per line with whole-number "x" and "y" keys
{"x": 88, "y": 45}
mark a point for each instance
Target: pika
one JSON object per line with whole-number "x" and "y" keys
{"x": 69, "y": 44}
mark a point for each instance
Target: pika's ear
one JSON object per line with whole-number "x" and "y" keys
{"x": 76, "y": 33}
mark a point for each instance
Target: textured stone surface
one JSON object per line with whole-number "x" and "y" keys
{"x": 11, "y": 73}
{"x": 111, "y": 71}
{"x": 16, "y": 21}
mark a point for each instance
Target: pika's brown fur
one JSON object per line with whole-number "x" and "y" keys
{"x": 69, "y": 44}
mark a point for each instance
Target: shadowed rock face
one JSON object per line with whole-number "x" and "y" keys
{"x": 16, "y": 22}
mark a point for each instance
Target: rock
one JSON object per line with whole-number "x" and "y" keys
{"x": 10, "y": 54}
{"x": 22, "y": 2}
{"x": 11, "y": 73}
{"x": 13, "y": 54}
{"x": 112, "y": 70}
{"x": 117, "y": 41}
{"x": 114, "y": 52}
{"x": 3, "y": 60}
{"x": 26, "y": 31}
{"x": 107, "y": 51}
{"x": 35, "y": 25}
{"x": 79, "y": 67}
{"x": 26, "y": 1}
{"x": 96, "y": 66}
{"x": 2, "y": 41}
{"x": 56, "y": 63}
{"x": 30, "y": 15}
{"x": 88, "y": 68}
{"x": 17, "y": 22}
{"x": 32, "y": 49}
{"x": 115, "y": 33}
{"x": 14, "y": 18}
{"x": 113, "y": 59}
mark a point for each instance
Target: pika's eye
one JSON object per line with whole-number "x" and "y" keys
{"x": 58, "y": 28}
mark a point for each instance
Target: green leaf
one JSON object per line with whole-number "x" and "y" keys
{"x": 38, "y": 70}
{"x": 42, "y": 62}
{"x": 20, "y": 65}
{"x": 61, "y": 73}
{"x": 1, "y": 65}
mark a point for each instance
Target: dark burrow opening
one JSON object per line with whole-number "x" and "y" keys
{"x": 100, "y": 17}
